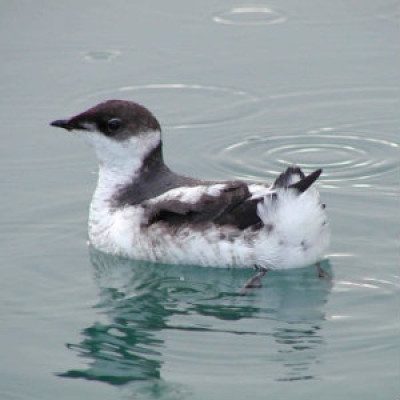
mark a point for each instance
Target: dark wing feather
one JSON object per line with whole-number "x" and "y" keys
{"x": 231, "y": 207}
{"x": 295, "y": 178}
{"x": 242, "y": 215}
{"x": 303, "y": 184}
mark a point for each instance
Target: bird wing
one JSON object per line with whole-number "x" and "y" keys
{"x": 230, "y": 203}
{"x": 227, "y": 203}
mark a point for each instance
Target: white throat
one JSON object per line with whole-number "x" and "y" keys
{"x": 119, "y": 161}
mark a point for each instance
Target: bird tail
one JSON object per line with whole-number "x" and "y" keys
{"x": 295, "y": 178}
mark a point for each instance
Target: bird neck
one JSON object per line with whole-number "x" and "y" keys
{"x": 113, "y": 178}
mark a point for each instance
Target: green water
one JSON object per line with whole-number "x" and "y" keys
{"x": 241, "y": 91}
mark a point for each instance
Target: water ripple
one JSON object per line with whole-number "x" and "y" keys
{"x": 188, "y": 105}
{"x": 346, "y": 157}
{"x": 249, "y": 16}
{"x": 337, "y": 13}
{"x": 182, "y": 289}
{"x": 309, "y": 129}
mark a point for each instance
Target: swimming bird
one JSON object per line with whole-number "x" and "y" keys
{"x": 141, "y": 209}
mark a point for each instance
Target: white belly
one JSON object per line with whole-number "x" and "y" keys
{"x": 295, "y": 234}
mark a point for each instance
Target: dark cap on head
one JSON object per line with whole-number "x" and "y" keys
{"x": 114, "y": 118}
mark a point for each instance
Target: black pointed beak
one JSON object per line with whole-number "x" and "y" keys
{"x": 62, "y": 123}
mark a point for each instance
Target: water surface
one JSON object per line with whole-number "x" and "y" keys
{"x": 241, "y": 91}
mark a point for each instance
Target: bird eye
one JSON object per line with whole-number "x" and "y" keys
{"x": 113, "y": 124}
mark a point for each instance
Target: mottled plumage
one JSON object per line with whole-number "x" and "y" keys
{"x": 141, "y": 209}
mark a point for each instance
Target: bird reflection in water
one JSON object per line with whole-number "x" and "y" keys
{"x": 142, "y": 304}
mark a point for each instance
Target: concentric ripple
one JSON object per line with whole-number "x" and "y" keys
{"x": 249, "y": 16}
{"x": 351, "y": 133}
{"x": 345, "y": 157}
{"x": 179, "y": 105}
